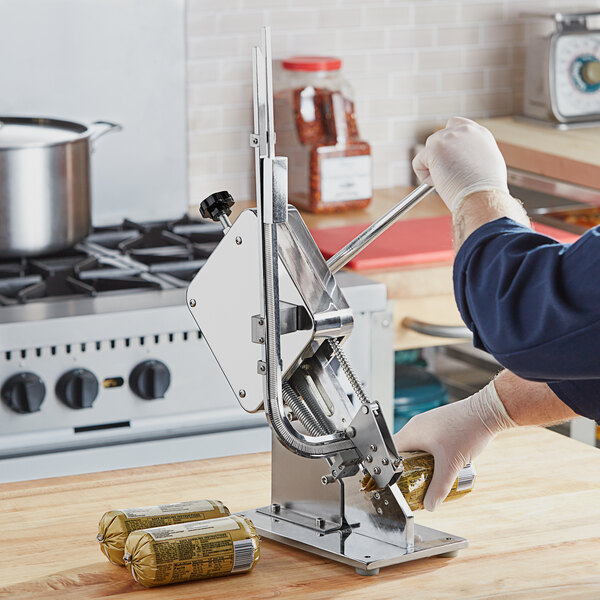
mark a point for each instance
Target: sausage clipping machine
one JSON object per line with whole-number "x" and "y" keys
{"x": 275, "y": 319}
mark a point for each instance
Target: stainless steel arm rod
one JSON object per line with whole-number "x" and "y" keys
{"x": 361, "y": 241}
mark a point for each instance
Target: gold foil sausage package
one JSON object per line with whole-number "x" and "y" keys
{"x": 417, "y": 475}
{"x": 190, "y": 551}
{"x": 116, "y": 525}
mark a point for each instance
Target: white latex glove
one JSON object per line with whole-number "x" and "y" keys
{"x": 455, "y": 434}
{"x": 461, "y": 159}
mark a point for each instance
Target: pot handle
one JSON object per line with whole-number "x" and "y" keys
{"x": 100, "y": 128}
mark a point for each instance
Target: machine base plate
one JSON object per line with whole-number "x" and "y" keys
{"x": 366, "y": 554}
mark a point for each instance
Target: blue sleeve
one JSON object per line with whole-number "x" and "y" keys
{"x": 581, "y": 395}
{"x": 531, "y": 302}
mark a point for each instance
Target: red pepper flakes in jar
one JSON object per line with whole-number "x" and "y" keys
{"x": 329, "y": 165}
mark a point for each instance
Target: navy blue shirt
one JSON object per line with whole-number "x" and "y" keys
{"x": 534, "y": 304}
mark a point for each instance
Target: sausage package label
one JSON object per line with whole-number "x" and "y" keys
{"x": 185, "y": 529}
{"x": 193, "y": 550}
{"x": 169, "y": 509}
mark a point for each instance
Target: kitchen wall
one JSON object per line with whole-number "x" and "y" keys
{"x": 412, "y": 65}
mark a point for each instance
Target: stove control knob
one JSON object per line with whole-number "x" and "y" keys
{"x": 77, "y": 388}
{"x": 24, "y": 392}
{"x": 150, "y": 379}
{"x": 217, "y": 206}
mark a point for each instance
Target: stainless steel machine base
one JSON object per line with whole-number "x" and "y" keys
{"x": 366, "y": 554}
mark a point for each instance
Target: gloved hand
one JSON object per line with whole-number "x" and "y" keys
{"x": 455, "y": 434}
{"x": 461, "y": 159}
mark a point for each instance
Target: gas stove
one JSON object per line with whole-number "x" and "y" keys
{"x": 129, "y": 257}
{"x": 102, "y": 366}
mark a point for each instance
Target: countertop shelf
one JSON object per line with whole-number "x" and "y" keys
{"x": 533, "y": 522}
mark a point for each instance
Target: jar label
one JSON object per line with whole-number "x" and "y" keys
{"x": 346, "y": 178}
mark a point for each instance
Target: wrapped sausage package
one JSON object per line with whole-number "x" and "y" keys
{"x": 416, "y": 477}
{"x": 190, "y": 551}
{"x": 116, "y": 525}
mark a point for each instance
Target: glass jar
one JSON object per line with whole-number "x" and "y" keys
{"x": 329, "y": 165}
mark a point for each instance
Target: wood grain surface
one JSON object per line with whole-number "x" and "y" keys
{"x": 533, "y": 522}
{"x": 570, "y": 155}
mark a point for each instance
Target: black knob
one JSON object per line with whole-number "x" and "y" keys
{"x": 150, "y": 379}
{"x": 217, "y": 205}
{"x": 24, "y": 392}
{"x": 77, "y": 388}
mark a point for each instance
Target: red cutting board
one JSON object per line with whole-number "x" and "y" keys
{"x": 407, "y": 242}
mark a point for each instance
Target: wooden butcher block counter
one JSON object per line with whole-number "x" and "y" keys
{"x": 571, "y": 155}
{"x": 421, "y": 291}
{"x": 533, "y": 523}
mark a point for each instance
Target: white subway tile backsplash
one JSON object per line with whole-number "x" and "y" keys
{"x": 388, "y": 16}
{"x": 460, "y": 81}
{"x": 477, "y": 12}
{"x": 426, "y": 13}
{"x": 457, "y": 36}
{"x": 363, "y": 39}
{"x": 412, "y": 64}
{"x": 335, "y": 18}
{"x": 411, "y": 37}
{"x": 439, "y": 104}
{"x": 439, "y": 59}
{"x": 392, "y": 107}
{"x": 240, "y": 22}
{"x": 486, "y": 57}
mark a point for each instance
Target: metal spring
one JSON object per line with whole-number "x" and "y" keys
{"x": 348, "y": 370}
{"x": 303, "y": 414}
{"x": 312, "y": 403}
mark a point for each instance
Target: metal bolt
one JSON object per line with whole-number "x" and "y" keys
{"x": 373, "y": 448}
{"x": 365, "y": 409}
{"x": 320, "y": 522}
{"x": 238, "y": 240}
{"x": 385, "y": 461}
{"x": 242, "y": 393}
{"x": 369, "y": 458}
{"x": 275, "y": 507}
{"x": 262, "y": 368}
{"x": 261, "y": 340}
{"x": 350, "y": 432}
{"x": 333, "y": 473}
{"x": 377, "y": 470}
{"x": 386, "y": 502}
{"x": 192, "y": 302}
{"x": 261, "y": 322}
{"x": 379, "y": 510}
{"x": 327, "y": 479}
{"x": 385, "y": 323}
{"x": 396, "y": 463}
{"x": 376, "y": 495}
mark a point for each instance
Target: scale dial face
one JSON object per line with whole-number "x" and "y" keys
{"x": 577, "y": 74}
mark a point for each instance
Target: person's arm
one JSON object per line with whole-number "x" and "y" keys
{"x": 458, "y": 432}
{"x": 530, "y": 302}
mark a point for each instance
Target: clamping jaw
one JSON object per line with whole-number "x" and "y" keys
{"x": 275, "y": 319}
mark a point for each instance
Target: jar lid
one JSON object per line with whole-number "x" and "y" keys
{"x": 312, "y": 63}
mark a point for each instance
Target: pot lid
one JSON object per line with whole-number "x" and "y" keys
{"x": 17, "y": 132}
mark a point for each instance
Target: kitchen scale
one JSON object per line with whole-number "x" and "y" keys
{"x": 562, "y": 75}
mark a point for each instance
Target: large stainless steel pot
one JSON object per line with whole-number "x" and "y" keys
{"x": 45, "y": 183}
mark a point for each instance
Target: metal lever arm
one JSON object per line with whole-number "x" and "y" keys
{"x": 371, "y": 233}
